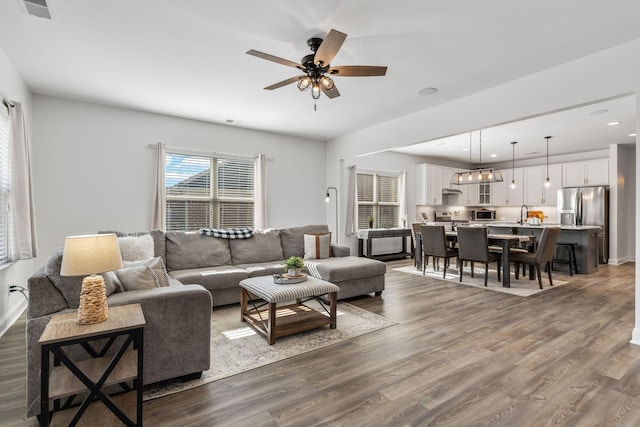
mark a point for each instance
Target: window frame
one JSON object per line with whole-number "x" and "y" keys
{"x": 213, "y": 198}
{"x": 375, "y": 202}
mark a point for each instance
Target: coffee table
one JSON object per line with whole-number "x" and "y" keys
{"x": 277, "y": 321}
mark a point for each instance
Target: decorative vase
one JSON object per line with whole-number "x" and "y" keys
{"x": 293, "y": 272}
{"x": 371, "y": 224}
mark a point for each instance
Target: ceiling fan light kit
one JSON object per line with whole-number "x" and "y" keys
{"x": 316, "y": 66}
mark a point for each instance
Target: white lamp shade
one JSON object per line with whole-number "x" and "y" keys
{"x": 90, "y": 254}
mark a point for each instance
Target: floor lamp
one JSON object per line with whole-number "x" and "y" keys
{"x": 328, "y": 199}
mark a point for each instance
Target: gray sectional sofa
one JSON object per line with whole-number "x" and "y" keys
{"x": 204, "y": 272}
{"x": 220, "y": 264}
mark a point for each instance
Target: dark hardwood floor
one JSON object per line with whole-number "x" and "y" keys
{"x": 459, "y": 357}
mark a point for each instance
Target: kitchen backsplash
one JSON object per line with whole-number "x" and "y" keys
{"x": 461, "y": 213}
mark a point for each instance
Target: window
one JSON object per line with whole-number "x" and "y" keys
{"x": 378, "y": 198}
{"x": 208, "y": 192}
{"x": 4, "y": 184}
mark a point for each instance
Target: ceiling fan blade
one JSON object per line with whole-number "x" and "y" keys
{"x": 331, "y": 93}
{"x": 358, "y": 71}
{"x": 283, "y": 83}
{"x": 329, "y": 47}
{"x": 274, "y": 59}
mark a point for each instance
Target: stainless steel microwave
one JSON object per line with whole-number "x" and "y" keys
{"x": 483, "y": 215}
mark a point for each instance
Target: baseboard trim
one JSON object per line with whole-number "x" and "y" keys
{"x": 635, "y": 336}
{"x": 620, "y": 261}
{"x": 10, "y": 318}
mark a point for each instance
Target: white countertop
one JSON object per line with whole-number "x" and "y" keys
{"x": 563, "y": 227}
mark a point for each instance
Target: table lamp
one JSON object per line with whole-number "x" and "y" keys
{"x": 88, "y": 256}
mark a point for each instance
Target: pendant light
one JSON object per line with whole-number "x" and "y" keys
{"x": 513, "y": 165}
{"x": 470, "y": 177}
{"x": 485, "y": 175}
{"x": 547, "y": 183}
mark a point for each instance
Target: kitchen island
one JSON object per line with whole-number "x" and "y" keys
{"x": 585, "y": 238}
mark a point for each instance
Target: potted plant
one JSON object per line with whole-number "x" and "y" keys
{"x": 370, "y": 219}
{"x": 293, "y": 265}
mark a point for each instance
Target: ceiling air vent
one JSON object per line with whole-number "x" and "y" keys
{"x": 36, "y": 8}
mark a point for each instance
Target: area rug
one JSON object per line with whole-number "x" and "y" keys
{"x": 522, "y": 287}
{"x": 236, "y": 348}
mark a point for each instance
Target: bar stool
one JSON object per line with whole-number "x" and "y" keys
{"x": 572, "y": 260}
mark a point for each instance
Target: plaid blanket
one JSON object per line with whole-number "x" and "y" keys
{"x": 228, "y": 233}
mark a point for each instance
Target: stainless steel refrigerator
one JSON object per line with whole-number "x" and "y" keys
{"x": 587, "y": 206}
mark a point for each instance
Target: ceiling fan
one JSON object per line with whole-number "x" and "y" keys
{"x": 317, "y": 68}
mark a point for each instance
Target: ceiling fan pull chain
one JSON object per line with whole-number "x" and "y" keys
{"x": 315, "y": 104}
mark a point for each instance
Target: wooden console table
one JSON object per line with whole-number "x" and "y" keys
{"x": 68, "y": 378}
{"x": 377, "y": 233}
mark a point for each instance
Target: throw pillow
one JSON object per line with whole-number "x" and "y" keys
{"x": 156, "y": 265}
{"x": 136, "y": 248}
{"x": 317, "y": 246}
{"x": 111, "y": 283}
{"x": 137, "y": 277}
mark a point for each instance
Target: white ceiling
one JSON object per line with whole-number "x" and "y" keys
{"x": 187, "y": 58}
{"x": 575, "y": 130}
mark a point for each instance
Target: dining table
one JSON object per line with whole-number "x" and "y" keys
{"x": 506, "y": 241}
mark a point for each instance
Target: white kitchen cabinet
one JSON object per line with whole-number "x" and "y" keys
{"x": 468, "y": 192}
{"x": 503, "y": 194}
{"x": 469, "y": 196}
{"x": 428, "y": 185}
{"x": 465, "y": 197}
{"x": 585, "y": 173}
{"x": 535, "y": 192}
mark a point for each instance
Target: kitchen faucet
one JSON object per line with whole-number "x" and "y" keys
{"x": 523, "y": 207}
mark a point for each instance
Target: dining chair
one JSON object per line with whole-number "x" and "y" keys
{"x": 542, "y": 255}
{"x": 434, "y": 243}
{"x": 415, "y": 229}
{"x": 473, "y": 246}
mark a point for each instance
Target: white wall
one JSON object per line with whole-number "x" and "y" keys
{"x": 11, "y": 305}
{"x": 386, "y": 162}
{"x": 94, "y": 169}
{"x": 622, "y": 195}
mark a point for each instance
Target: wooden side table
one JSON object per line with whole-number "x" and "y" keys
{"x": 69, "y": 378}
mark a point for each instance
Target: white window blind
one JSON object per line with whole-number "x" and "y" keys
{"x": 5, "y": 172}
{"x": 378, "y": 197}
{"x": 208, "y": 192}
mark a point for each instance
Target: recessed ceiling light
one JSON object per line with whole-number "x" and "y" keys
{"x": 597, "y": 112}
{"x": 441, "y": 143}
{"x": 531, "y": 153}
{"x": 613, "y": 123}
{"x": 494, "y": 155}
{"x": 465, "y": 149}
{"x": 427, "y": 91}
{"x": 632, "y": 134}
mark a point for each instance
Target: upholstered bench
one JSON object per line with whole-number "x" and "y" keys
{"x": 277, "y": 321}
